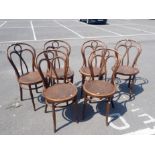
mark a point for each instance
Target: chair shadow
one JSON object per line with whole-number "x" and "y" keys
{"x": 137, "y": 88}
{"x": 120, "y": 106}
{"x": 67, "y": 114}
{"x": 89, "y": 112}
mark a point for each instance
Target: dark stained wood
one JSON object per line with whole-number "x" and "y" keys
{"x": 64, "y": 47}
{"x": 128, "y": 68}
{"x": 59, "y": 92}
{"x": 87, "y": 48}
{"x": 26, "y": 75}
{"x": 86, "y": 71}
{"x": 101, "y": 88}
{"x": 59, "y": 45}
{"x": 30, "y": 78}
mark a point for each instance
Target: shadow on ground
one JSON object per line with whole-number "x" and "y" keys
{"x": 99, "y": 107}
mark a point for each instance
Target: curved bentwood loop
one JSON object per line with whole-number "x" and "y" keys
{"x": 22, "y": 58}
{"x": 59, "y": 45}
{"x": 131, "y": 51}
{"x": 101, "y": 88}
{"x": 129, "y": 45}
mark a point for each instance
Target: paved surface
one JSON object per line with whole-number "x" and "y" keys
{"x": 128, "y": 117}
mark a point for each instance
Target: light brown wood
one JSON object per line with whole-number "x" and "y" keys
{"x": 101, "y": 88}
{"x": 128, "y": 68}
{"x": 87, "y": 48}
{"x": 26, "y": 75}
{"x": 59, "y": 92}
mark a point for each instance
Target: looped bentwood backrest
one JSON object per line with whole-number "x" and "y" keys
{"x": 50, "y": 54}
{"x": 22, "y": 58}
{"x": 88, "y": 47}
{"x": 97, "y": 59}
{"x": 59, "y": 45}
{"x": 52, "y": 64}
{"x": 104, "y": 58}
{"x": 129, "y": 47}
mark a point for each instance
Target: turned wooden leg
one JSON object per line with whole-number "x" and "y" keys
{"x": 54, "y": 117}
{"x": 36, "y": 88}
{"x": 75, "y": 105}
{"x": 21, "y": 93}
{"x": 83, "y": 80}
{"x": 84, "y": 106}
{"x": 32, "y": 98}
{"x": 72, "y": 79}
{"x": 107, "y": 111}
{"x": 131, "y": 86}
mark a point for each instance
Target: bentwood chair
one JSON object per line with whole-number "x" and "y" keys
{"x": 61, "y": 92}
{"x": 48, "y": 55}
{"x": 22, "y": 58}
{"x": 130, "y": 51}
{"x": 63, "y": 47}
{"x": 86, "y": 50}
{"x": 101, "y": 88}
{"x": 51, "y": 53}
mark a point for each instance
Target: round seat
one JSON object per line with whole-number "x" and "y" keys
{"x": 99, "y": 88}
{"x": 86, "y": 71}
{"x": 30, "y": 78}
{"x": 60, "y": 92}
{"x": 127, "y": 70}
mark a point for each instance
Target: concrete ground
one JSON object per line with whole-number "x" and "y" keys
{"x": 135, "y": 116}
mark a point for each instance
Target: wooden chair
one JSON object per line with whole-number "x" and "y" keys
{"x": 101, "y": 88}
{"x": 63, "y": 47}
{"x": 61, "y": 92}
{"x": 86, "y": 50}
{"x": 130, "y": 51}
{"x": 22, "y": 58}
{"x": 51, "y": 53}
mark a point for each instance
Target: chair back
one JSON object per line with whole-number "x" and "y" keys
{"x": 88, "y": 47}
{"x": 130, "y": 50}
{"x": 50, "y": 54}
{"x": 22, "y": 58}
{"x": 109, "y": 59}
{"x": 50, "y": 66}
{"x": 96, "y": 60}
{"x": 59, "y": 45}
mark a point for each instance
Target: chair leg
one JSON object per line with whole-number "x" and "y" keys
{"x": 100, "y": 77}
{"x": 32, "y": 98}
{"x": 54, "y": 117}
{"x": 21, "y": 93}
{"x": 36, "y": 88}
{"x": 107, "y": 110}
{"x": 131, "y": 86}
{"x": 105, "y": 76}
{"x": 84, "y": 106}
{"x": 46, "y": 105}
{"x": 83, "y": 80}
{"x": 72, "y": 79}
{"x": 75, "y": 109}
{"x": 50, "y": 82}
{"x": 81, "y": 91}
{"x": 112, "y": 103}
{"x": 53, "y": 82}
{"x": 67, "y": 103}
